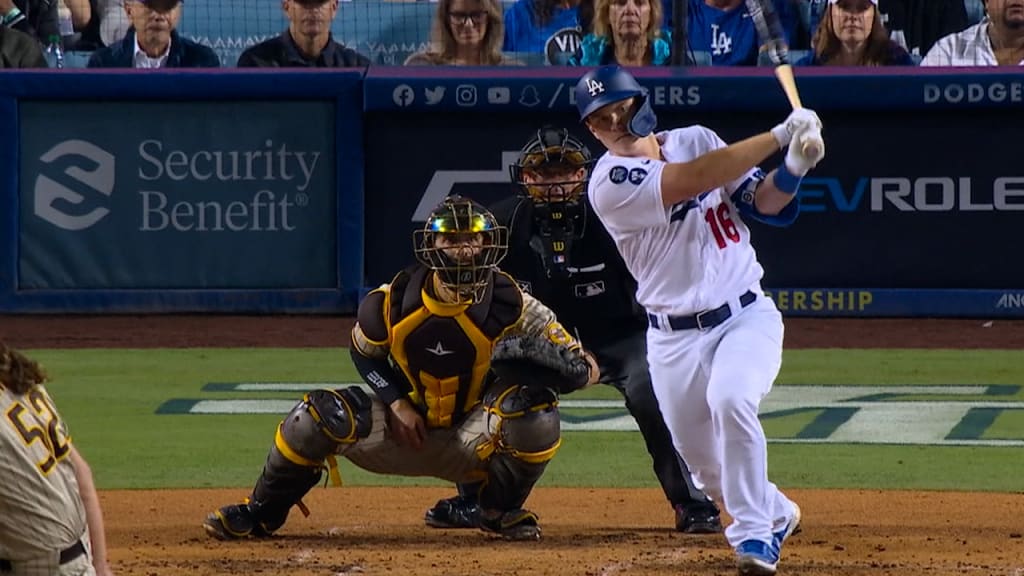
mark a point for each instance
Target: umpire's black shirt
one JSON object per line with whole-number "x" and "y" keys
{"x": 281, "y": 52}
{"x": 596, "y": 297}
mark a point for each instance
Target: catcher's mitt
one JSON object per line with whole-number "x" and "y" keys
{"x": 537, "y": 361}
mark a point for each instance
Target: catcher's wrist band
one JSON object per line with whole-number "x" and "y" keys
{"x": 379, "y": 374}
{"x": 785, "y": 180}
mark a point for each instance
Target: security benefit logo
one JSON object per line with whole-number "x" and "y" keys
{"x": 166, "y": 187}
{"x": 71, "y": 190}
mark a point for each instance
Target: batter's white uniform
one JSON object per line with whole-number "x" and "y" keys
{"x": 688, "y": 258}
{"x": 41, "y": 510}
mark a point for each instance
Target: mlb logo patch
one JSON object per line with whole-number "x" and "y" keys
{"x": 560, "y": 259}
{"x": 589, "y": 289}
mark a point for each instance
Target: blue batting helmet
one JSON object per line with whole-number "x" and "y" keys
{"x": 609, "y": 84}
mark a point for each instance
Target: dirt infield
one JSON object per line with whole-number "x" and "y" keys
{"x": 593, "y": 532}
{"x": 585, "y": 532}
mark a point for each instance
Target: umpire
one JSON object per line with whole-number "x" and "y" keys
{"x": 561, "y": 254}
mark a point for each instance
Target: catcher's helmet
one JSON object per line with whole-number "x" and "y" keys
{"x": 609, "y": 84}
{"x": 552, "y": 152}
{"x": 447, "y": 245}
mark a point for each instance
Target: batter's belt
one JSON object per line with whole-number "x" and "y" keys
{"x": 705, "y": 320}
{"x": 66, "y": 555}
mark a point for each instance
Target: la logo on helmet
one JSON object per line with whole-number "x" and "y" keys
{"x": 595, "y": 87}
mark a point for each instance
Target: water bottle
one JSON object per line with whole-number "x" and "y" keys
{"x": 66, "y": 24}
{"x": 54, "y": 52}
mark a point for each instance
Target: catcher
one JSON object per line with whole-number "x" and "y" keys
{"x": 466, "y": 370}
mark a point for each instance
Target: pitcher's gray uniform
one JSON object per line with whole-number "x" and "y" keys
{"x": 42, "y": 518}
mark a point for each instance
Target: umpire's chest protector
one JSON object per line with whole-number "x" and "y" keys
{"x": 445, "y": 349}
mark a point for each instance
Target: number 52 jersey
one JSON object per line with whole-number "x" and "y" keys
{"x": 690, "y": 256}
{"x": 40, "y": 507}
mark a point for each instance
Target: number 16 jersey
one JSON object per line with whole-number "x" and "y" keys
{"x": 690, "y": 256}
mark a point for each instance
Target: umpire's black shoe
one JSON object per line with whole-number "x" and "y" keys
{"x": 698, "y": 519}
{"x": 454, "y": 512}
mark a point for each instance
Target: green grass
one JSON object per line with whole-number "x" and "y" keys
{"x": 109, "y": 398}
{"x": 1009, "y": 424}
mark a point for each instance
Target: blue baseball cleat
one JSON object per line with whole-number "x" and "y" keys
{"x": 757, "y": 558}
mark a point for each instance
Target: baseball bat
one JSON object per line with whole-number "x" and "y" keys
{"x": 769, "y": 29}
{"x": 680, "y": 43}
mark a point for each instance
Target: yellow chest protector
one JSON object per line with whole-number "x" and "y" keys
{"x": 445, "y": 349}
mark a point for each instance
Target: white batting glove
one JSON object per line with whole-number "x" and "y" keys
{"x": 805, "y": 151}
{"x": 797, "y": 119}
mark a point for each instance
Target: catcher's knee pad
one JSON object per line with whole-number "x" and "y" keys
{"x": 523, "y": 422}
{"x": 313, "y": 431}
{"x": 322, "y": 422}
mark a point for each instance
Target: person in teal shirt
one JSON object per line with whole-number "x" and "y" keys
{"x": 628, "y": 33}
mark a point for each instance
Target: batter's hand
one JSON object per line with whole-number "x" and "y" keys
{"x": 407, "y": 427}
{"x": 797, "y": 160}
{"x": 799, "y": 119}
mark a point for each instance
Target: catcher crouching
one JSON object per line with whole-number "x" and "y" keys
{"x": 466, "y": 370}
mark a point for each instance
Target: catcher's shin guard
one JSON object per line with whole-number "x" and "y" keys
{"x": 312, "y": 432}
{"x": 525, "y": 433}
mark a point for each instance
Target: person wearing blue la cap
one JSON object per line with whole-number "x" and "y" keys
{"x": 153, "y": 42}
{"x": 674, "y": 203}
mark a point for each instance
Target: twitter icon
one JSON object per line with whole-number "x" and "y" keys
{"x": 434, "y": 96}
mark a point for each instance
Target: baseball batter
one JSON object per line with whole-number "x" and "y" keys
{"x": 50, "y": 519}
{"x": 561, "y": 255}
{"x": 674, "y": 204}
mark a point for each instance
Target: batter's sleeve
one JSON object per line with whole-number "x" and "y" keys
{"x": 626, "y": 193}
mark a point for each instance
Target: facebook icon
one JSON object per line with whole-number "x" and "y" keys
{"x": 403, "y": 95}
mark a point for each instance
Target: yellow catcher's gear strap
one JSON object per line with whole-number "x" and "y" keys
{"x": 295, "y": 457}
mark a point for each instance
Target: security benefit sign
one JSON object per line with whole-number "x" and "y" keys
{"x": 177, "y": 195}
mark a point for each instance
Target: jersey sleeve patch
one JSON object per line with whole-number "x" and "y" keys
{"x": 618, "y": 174}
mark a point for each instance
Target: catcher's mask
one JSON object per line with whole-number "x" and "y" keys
{"x": 463, "y": 244}
{"x": 552, "y": 171}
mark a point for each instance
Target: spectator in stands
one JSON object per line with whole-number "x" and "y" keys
{"x": 80, "y": 11}
{"x": 627, "y": 33}
{"x": 466, "y": 33}
{"x": 852, "y": 34}
{"x": 530, "y": 24}
{"x": 19, "y": 50}
{"x": 723, "y": 29}
{"x": 915, "y": 24}
{"x": 307, "y": 43}
{"x": 998, "y": 40}
{"x": 37, "y": 18}
{"x": 113, "y": 21}
{"x": 153, "y": 42}
{"x": 89, "y": 37}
